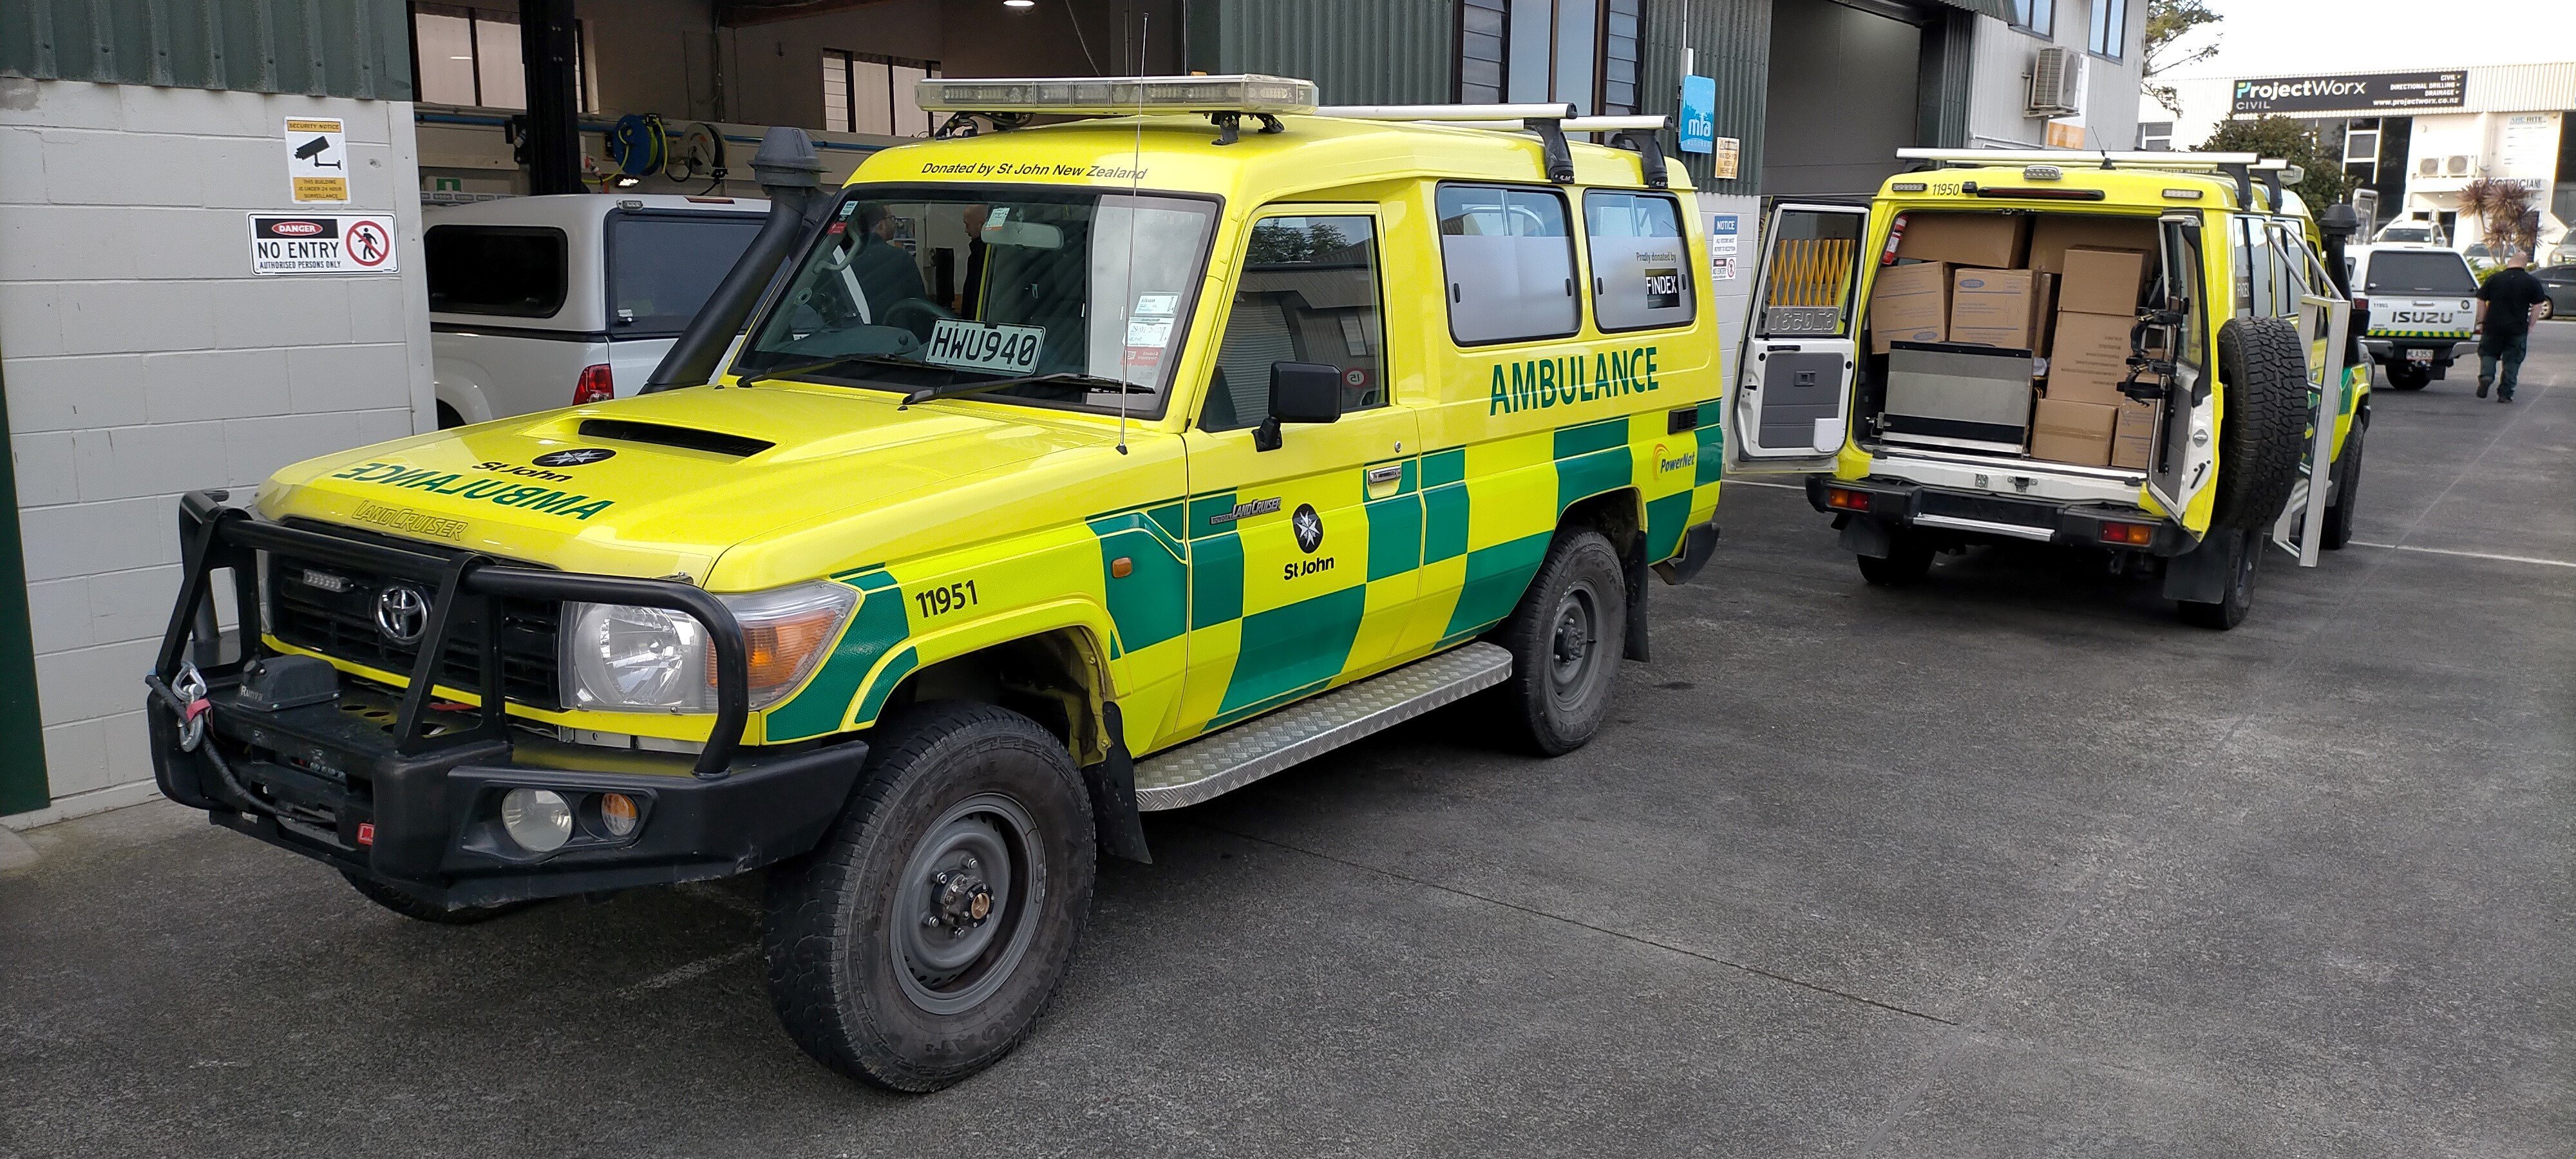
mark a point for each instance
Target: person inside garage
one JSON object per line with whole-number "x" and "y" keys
{"x": 2507, "y": 305}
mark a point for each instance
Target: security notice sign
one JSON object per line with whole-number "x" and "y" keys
{"x": 322, "y": 243}
{"x": 317, "y": 160}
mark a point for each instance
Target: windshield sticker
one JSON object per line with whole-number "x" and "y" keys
{"x": 1548, "y": 382}
{"x": 1147, "y": 304}
{"x": 1153, "y": 332}
{"x": 506, "y": 492}
{"x": 984, "y": 346}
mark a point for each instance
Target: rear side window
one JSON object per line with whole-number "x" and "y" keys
{"x": 1509, "y": 259}
{"x": 516, "y": 271}
{"x": 1640, "y": 267}
{"x": 662, "y": 266}
{"x": 2419, "y": 272}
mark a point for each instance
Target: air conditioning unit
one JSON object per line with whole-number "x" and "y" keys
{"x": 2056, "y": 82}
{"x": 2459, "y": 166}
{"x": 2429, "y": 167}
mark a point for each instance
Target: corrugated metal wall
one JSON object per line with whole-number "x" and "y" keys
{"x": 340, "y": 48}
{"x": 1356, "y": 51}
{"x": 1731, "y": 40}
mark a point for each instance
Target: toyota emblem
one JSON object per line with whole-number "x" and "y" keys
{"x": 402, "y": 613}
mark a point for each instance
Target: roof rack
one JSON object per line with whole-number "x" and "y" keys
{"x": 1550, "y": 121}
{"x": 2240, "y": 166}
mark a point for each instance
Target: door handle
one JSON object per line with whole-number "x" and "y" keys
{"x": 1386, "y": 474}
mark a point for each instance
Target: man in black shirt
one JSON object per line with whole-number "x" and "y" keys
{"x": 2507, "y": 304}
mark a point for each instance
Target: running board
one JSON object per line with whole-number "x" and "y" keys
{"x": 1228, "y": 760}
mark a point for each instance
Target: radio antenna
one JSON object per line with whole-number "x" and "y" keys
{"x": 1135, "y": 185}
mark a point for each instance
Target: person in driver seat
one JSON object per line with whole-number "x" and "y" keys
{"x": 883, "y": 272}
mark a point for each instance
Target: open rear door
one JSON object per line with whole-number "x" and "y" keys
{"x": 1792, "y": 395}
{"x": 2180, "y": 465}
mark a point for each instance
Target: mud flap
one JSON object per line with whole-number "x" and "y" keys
{"x": 1698, "y": 545}
{"x": 2200, "y": 576}
{"x": 1869, "y": 537}
{"x": 1112, "y": 782}
{"x": 1633, "y": 571}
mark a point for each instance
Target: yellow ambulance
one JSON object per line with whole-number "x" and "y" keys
{"x": 2137, "y": 355}
{"x": 1042, "y": 476}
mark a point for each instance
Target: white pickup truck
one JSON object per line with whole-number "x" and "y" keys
{"x": 543, "y": 302}
{"x": 2421, "y": 301}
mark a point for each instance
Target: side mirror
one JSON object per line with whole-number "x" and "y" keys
{"x": 1300, "y": 392}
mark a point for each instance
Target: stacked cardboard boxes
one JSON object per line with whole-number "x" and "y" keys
{"x": 2084, "y": 416}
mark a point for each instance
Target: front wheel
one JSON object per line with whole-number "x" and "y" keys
{"x": 2244, "y": 548}
{"x": 1565, "y": 644}
{"x": 916, "y": 945}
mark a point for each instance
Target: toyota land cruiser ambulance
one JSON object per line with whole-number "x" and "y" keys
{"x": 1218, "y": 436}
{"x": 2115, "y": 353}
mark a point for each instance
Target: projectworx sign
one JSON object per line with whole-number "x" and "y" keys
{"x": 2378, "y": 90}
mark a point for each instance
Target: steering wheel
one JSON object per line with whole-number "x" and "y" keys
{"x": 933, "y": 312}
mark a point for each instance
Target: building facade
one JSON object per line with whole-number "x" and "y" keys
{"x": 2418, "y": 136}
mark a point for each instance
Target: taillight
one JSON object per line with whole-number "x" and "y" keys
{"x": 593, "y": 385}
{"x": 2134, "y": 534}
{"x": 1844, "y": 499}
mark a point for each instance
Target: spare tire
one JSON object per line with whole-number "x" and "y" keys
{"x": 2265, "y": 374}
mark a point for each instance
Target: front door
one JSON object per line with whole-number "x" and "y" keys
{"x": 1791, "y": 400}
{"x": 1304, "y": 558}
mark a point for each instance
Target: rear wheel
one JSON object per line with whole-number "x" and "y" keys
{"x": 422, "y": 910}
{"x": 2347, "y": 489}
{"x": 917, "y": 944}
{"x": 1565, "y": 644}
{"x": 1908, "y": 560}
{"x": 2548, "y": 309}
{"x": 2244, "y": 549}
{"x": 2405, "y": 375}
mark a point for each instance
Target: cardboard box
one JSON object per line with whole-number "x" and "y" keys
{"x": 2002, "y": 308}
{"x": 2073, "y": 432}
{"x": 2133, "y": 439}
{"x": 2088, "y": 358}
{"x": 1992, "y": 240}
{"x": 2056, "y": 233}
{"x": 2103, "y": 282}
{"x": 1909, "y": 303}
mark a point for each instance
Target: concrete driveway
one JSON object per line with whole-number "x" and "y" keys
{"x": 2010, "y": 864}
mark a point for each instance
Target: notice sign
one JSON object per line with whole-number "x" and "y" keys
{"x": 317, "y": 161}
{"x": 322, "y": 243}
{"x": 1722, "y": 155}
{"x": 1724, "y": 231}
{"x": 2361, "y": 93}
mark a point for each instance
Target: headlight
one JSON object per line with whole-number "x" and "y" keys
{"x": 621, "y": 658}
{"x": 538, "y": 819}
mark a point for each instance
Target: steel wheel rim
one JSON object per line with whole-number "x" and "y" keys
{"x": 945, "y": 960}
{"x": 1574, "y": 645}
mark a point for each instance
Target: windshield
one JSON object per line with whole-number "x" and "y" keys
{"x": 2420, "y": 272}
{"x": 2406, "y": 234}
{"x": 942, "y": 288}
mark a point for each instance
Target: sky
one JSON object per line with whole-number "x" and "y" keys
{"x": 2287, "y": 37}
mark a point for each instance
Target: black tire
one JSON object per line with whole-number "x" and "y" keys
{"x": 2404, "y": 375}
{"x": 1908, "y": 560}
{"x": 879, "y": 965}
{"x": 1565, "y": 640}
{"x": 448, "y": 419}
{"x": 2245, "y": 549}
{"x": 423, "y": 910}
{"x": 2265, "y": 374}
{"x": 2347, "y": 488}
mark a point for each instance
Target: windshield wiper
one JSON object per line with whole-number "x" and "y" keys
{"x": 1094, "y": 381}
{"x": 825, "y": 364}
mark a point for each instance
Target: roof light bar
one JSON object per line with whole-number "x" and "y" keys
{"x": 1247, "y": 93}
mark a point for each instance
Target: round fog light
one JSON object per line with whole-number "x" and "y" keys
{"x": 538, "y": 819}
{"x": 617, "y": 814}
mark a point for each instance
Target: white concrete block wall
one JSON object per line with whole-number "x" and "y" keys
{"x": 142, "y": 359}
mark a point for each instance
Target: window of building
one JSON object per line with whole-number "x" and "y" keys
{"x": 1640, "y": 265}
{"x": 2156, "y": 135}
{"x": 2039, "y": 16}
{"x": 2108, "y": 35}
{"x": 865, "y": 93}
{"x": 1308, "y": 293}
{"x": 1585, "y": 52}
{"x": 511, "y": 270}
{"x": 470, "y": 56}
{"x": 1509, "y": 260}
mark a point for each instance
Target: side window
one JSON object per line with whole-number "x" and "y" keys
{"x": 1307, "y": 292}
{"x": 2181, "y": 282}
{"x": 1807, "y": 274}
{"x": 662, "y": 267}
{"x": 2289, "y": 258}
{"x": 1509, "y": 259}
{"x": 1640, "y": 265}
{"x": 516, "y": 271}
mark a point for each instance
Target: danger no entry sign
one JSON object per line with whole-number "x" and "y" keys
{"x": 322, "y": 243}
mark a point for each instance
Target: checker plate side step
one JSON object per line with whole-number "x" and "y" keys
{"x": 1275, "y": 740}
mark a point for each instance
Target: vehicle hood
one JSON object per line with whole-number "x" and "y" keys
{"x": 662, "y": 484}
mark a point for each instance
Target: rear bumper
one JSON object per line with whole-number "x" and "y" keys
{"x": 2445, "y": 350}
{"x": 1974, "y": 516}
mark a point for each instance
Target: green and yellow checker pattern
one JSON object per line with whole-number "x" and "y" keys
{"x": 1203, "y": 622}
